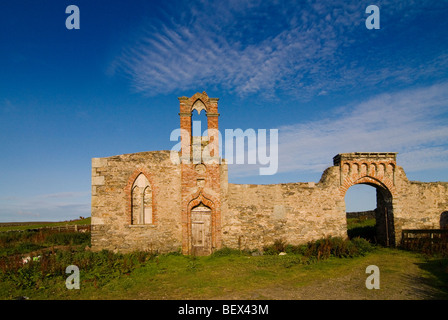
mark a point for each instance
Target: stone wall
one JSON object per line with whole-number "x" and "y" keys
{"x": 421, "y": 204}
{"x": 257, "y": 215}
{"x": 250, "y": 216}
{"x": 244, "y": 216}
{"x": 370, "y": 214}
{"x": 112, "y": 180}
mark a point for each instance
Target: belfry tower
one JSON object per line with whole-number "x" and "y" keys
{"x": 200, "y": 178}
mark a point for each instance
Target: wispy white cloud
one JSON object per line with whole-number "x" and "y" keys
{"x": 306, "y": 49}
{"x": 189, "y": 55}
{"x": 64, "y": 195}
{"x": 410, "y": 122}
{"x": 56, "y": 206}
{"x": 27, "y": 214}
{"x": 302, "y": 48}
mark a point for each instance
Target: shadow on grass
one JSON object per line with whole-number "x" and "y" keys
{"x": 438, "y": 269}
{"x": 365, "y": 232}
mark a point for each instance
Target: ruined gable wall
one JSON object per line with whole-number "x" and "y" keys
{"x": 112, "y": 179}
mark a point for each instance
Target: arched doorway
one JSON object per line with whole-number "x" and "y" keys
{"x": 382, "y": 232}
{"x": 201, "y": 230}
{"x": 360, "y": 205}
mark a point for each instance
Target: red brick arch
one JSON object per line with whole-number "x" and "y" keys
{"x": 383, "y": 182}
{"x": 128, "y": 193}
{"x": 363, "y": 171}
{"x": 198, "y": 198}
{"x": 208, "y": 200}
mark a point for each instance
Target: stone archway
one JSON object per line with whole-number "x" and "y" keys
{"x": 377, "y": 170}
{"x": 384, "y": 213}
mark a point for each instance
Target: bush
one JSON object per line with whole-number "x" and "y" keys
{"x": 96, "y": 267}
{"x": 26, "y": 241}
{"x": 338, "y": 247}
{"x": 366, "y": 232}
{"x": 68, "y": 238}
{"x": 226, "y": 252}
{"x": 290, "y": 249}
{"x": 276, "y": 248}
{"x": 323, "y": 248}
{"x": 362, "y": 245}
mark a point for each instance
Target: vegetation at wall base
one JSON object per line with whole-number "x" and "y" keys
{"x": 29, "y": 241}
{"x": 228, "y": 272}
{"x": 323, "y": 248}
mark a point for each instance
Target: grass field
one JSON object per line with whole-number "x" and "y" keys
{"x": 10, "y": 226}
{"x": 326, "y": 269}
{"x": 403, "y": 275}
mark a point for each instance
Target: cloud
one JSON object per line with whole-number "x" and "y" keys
{"x": 410, "y": 122}
{"x": 64, "y": 195}
{"x": 211, "y": 49}
{"x": 27, "y": 214}
{"x": 299, "y": 48}
{"x": 51, "y": 207}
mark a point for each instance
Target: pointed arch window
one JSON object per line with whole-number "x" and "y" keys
{"x": 141, "y": 196}
{"x": 199, "y": 136}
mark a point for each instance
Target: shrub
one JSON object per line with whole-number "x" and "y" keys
{"x": 323, "y": 248}
{"x": 276, "y": 248}
{"x": 295, "y": 249}
{"x": 366, "y": 232}
{"x": 362, "y": 245}
{"x": 338, "y": 247}
{"x": 96, "y": 267}
{"x": 68, "y": 238}
{"x": 226, "y": 252}
{"x": 26, "y": 241}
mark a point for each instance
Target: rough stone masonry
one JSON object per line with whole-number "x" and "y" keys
{"x": 144, "y": 201}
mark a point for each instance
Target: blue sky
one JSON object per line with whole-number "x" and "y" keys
{"x": 310, "y": 69}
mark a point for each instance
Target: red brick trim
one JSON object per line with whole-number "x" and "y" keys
{"x": 376, "y": 173}
{"x": 198, "y": 198}
{"x": 128, "y": 193}
{"x": 209, "y": 201}
{"x": 383, "y": 182}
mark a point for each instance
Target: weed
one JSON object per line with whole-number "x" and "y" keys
{"x": 323, "y": 248}
{"x": 226, "y": 252}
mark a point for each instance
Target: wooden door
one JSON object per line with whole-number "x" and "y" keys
{"x": 201, "y": 235}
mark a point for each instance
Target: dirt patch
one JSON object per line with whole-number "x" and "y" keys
{"x": 400, "y": 279}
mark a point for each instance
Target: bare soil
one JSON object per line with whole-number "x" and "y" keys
{"x": 399, "y": 280}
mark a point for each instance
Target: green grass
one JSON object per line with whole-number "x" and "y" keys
{"x": 29, "y": 237}
{"x": 35, "y": 225}
{"x": 237, "y": 277}
{"x": 226, "y": 274}
{"x": 360, "y": 222}
{"x": 12, "y": 243}
{"x": 335, "y": 266}
{"x": 361, "y": 227}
